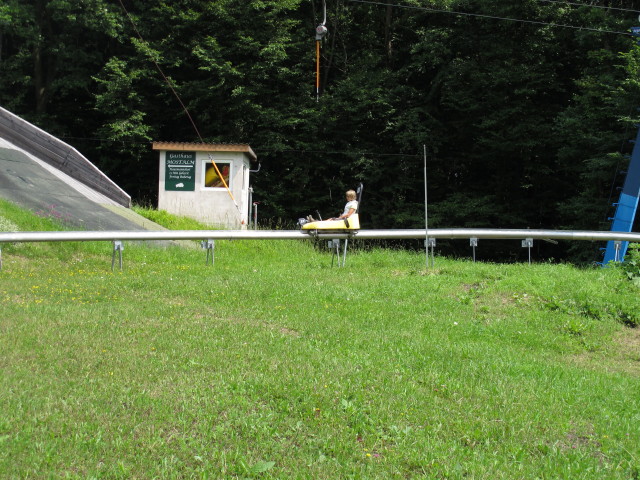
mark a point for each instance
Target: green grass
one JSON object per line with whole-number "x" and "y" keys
{"x": 170, "y": 221}
{"x": 272, "y": 364}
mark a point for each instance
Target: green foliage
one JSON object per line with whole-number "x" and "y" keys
{"x": 20, "y": 220}
{"x": 170, "y": 221}
{"x": 631, "y": 264}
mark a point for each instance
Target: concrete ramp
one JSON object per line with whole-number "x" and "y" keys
{"x": 33, "y": 183}
{"x": 58, "y": 154}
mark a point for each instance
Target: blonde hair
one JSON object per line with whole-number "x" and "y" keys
{"x": 351, "y": 195}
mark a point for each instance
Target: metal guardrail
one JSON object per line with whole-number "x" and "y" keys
{"x": 399, "y": 234}
{"x": 209, "y": 236}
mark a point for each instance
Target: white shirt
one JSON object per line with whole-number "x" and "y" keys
{"x": 352, "y": 204}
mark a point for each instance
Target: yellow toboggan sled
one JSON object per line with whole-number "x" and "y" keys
{"x": 351, "y": 223}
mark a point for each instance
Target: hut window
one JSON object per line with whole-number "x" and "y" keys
{"x": 211, "y": 177}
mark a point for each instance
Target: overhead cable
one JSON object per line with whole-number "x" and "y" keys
{"x": 215, "y": 166}
{"x": 492, "y": 17}
{"x": 590, "y": 6}
{"x": 264, "y": 151}
{"x": 186, "y": 111}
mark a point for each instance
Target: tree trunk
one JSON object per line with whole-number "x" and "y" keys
{"x": 40, "y": 73}
{"x": 387, "y": 33}
{"x": 38, "y": 79}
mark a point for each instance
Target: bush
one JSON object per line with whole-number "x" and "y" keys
{"x": 631, "y": 264}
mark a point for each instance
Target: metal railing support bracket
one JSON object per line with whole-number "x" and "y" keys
{"x": 117, "y": 247}
{"x": 209, "y": 245}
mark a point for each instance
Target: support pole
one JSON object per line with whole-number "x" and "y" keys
{"x": 209, "y": 246}
{"x": 528, "y": 243}
{"x": 344, "y": 256}
{"x": 255, "y": 215}
{"x": 250, "y": 205}
{"x": 432, "y": 244}
{"x": 117, "y": 247}
{"x": 317, "y": 70}
{"x": 474, "y": 243}
{"x": 334, "y": 245}
{"x": 321, "y": 31}
{"x": 426, "y": 211}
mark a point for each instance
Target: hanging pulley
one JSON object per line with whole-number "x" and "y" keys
{"x": 321, "y": 31}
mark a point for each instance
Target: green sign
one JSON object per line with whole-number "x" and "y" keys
{"x": 180, "y": 171}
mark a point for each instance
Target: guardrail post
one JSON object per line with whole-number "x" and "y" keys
{"x": 528, "y": 243}
{"x": 0, "y": 257}
{"x": 209, "y": 246}
{"x": 334, "y": 246}
{"x": 431, "y": 243}
{"x": 344, "y": 256}
{"x": 617, "y": 244}
{"x": 117, "y": 247}
{"x": 473, "y": 242}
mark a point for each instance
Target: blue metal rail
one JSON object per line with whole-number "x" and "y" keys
{"x": 626, "y": 207}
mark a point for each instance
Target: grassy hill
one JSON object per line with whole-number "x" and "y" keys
{"x": 272, "y": 364}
